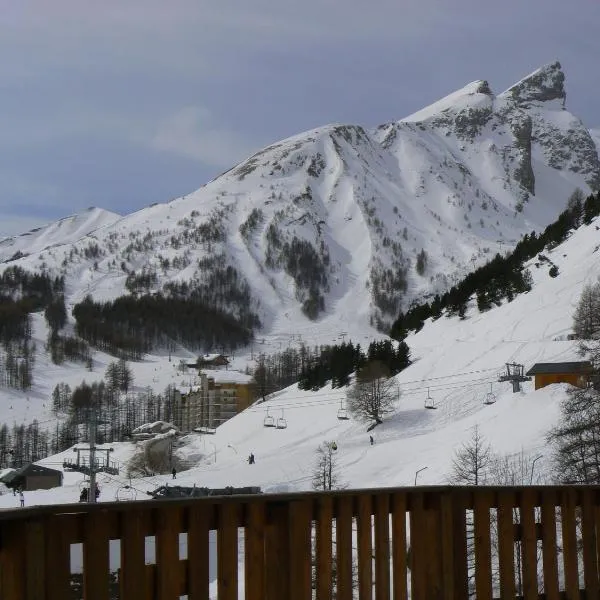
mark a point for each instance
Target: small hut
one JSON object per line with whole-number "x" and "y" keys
{"x": 33, "y": 477}
{"x": 577, "y": 373}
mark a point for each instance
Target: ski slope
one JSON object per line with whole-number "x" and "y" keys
{"x": 456, "y": 362}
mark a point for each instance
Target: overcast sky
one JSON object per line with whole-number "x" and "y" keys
{"x": 123, "y": 103}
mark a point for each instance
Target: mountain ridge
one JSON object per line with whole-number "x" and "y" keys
{"x": 324, "y": 227}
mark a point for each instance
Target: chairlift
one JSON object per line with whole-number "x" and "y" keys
{"x": 281, "y": 422}
{"x": 125, "y": 493}
{"x": 490, "y": 397}
{"x": 429, "y": 401}
{"x": 342, "y": 413}
{"x": 269, "y": 420}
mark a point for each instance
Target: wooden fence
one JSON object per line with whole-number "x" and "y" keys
{"x": 435, "y": 543}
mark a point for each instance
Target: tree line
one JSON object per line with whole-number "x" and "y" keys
{"x": 504, "y": 276}
{"x": 336, "y": 363}
{"x": 22, "y": 293}
{"x": 131, "y": 326}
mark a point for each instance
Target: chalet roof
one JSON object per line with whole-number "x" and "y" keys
{"x": 31, "y": 469}
{"x": 581, "y": 366}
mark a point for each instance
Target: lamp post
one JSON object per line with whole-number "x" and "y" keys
{"x": 533, "y": 466}
{"x": 417, "y": 473}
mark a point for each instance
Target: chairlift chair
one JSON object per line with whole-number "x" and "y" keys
{"x": 342, "y": 413}
{"x": 490, "y": 397}
{"x": 269, "y": 420}
{"x": 281, "y": 422}
{"x": 429, "y": 401}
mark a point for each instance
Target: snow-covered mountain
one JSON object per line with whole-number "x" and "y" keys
{"x": 363, "y": 186}
{"x": 325, "y": 228}
{"x": 68, "y": 230}
{"x": 456, "y": 363}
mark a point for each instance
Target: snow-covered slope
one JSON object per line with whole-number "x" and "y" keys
{"x": 324, "y": 227}
{"x": 456, "y": 362}
{"x": 65, "y": 231}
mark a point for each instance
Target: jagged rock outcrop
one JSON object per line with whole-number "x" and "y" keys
{"x": 542, "y": 85}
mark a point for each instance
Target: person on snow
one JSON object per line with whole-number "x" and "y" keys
{"x": 371, "y": 440}
{"x": 251, "y": 459}
{"x": 174, "y": 473}
{"x": 21, "y": 498}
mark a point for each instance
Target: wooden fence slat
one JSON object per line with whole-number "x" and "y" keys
{"x": 13, "y": 562}
{"x": 95, "y": 557}
{"x": 35, "y": 574}
{"x": 446, "y": 545}
{"x": 277, "y": 551}
{"x": 58, "y": 557}
{"x": 483, "y": 545}
{"x": 254, "y": 550}
{"x": 300, "y": 548}
{"x": 132, "y": 578}
{"x": 549, "y": 549}
{"x": 382, "y": 547}
{"x": 459, "y": 544}
{"x": 399, "y": 558}
{"x": 365, "y": 547}
{"x": 324, "y": 558}
{"x": 529, "y": 544}
{"x": 590, "y": 559}
{"x": 418, "y": 584}
{"x": 506, "y": 544}
{"x": 569, "y": 543}
{"x": 227, "y": 551}
{"x": 168, "y": 565}
{"x": 198, "y": 530}
{"x": 343, "y": 536}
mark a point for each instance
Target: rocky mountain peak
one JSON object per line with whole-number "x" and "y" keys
{"x": 543, "y": 85}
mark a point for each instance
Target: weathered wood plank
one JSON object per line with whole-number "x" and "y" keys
{"x": 506, "y": 544}
{"x": 277, "y": 551}
{"x": 382, "y": 547}
{"x": 300, "y": 525}
{"x": 132, "y": 579}
{"x": 529, "y": 543}
{"x": 483, "y": 545}
{"x": 343, "y": 535}
{"x": 459, "y": 544}
{"x": 168, "y": 565}
{"x": 589, "y": 541}
{"x": 95, "y": 557}
{"x": 569, "y": 543}
{"x": 418, "y": 546}
{"x": 399, "y": 557}
{"x": 59, "y": 530}
{"x": 35, "y": 574}
{"x": 324, "y": 561}
{"x": 549, "y": 549}
{"x": 446, "y": 534}
{"x": 13, "y": 562}
{"x": 198, "y": 518}
{"x": 365, "y": 547}
{"x": 227, "y": 551}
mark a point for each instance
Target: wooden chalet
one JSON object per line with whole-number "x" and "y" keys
{"x": 210, "y": 361}
{"x": 33, "y": 477}
{"x": 577, "y": 373}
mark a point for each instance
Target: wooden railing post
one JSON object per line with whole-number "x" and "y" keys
{"x": 13, "y": 565}
{"x": 277, "y": 565}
